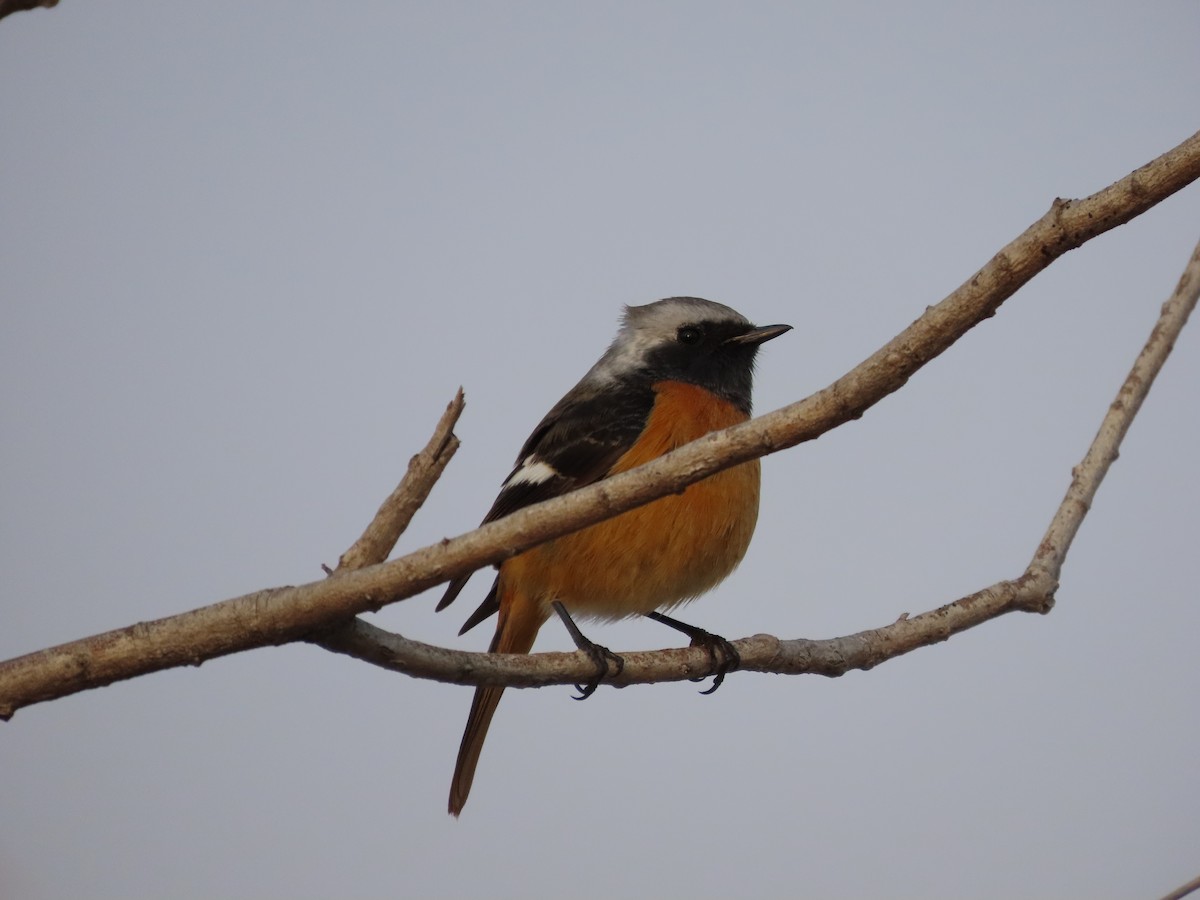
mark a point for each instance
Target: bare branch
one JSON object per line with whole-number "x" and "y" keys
{"x": 1048, "y": 560}
{"x": 410, "y": 494}
{"x": 760, "y": 653}
{"x": 1184, "y": 889}
{"x": 293, "y": 613}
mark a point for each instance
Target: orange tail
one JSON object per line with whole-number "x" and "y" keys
{"x": 519, "y": 622}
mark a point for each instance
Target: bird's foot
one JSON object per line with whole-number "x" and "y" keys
{"x": 599, "y": 655}
{"x": 723, "y": 654}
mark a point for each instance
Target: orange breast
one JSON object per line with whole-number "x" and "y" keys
{"x": 661, "y": 554}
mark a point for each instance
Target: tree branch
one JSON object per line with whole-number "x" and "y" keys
{"x": 1086, "y": 477}
{"x": 410, "y": 494}
{"x": 759, "y": 653}
{"x": 1184, "y": 889}
{"x": 286, "y": 614}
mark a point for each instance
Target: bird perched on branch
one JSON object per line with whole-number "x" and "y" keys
{"x": 677, "y": 370}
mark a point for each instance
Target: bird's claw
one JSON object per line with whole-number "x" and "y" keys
{"x": 600, "y": 656}
{"x": 722, "y": 653}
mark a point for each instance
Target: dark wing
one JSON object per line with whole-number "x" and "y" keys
{"x": 577, "y": 443}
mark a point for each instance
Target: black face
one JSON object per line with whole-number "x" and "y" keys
{"x": 701, "y": 354}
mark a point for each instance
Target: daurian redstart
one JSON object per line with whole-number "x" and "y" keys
{"x": 678, "y": 369}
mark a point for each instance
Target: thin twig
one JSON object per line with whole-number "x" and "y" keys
{"x": 1086, "y": 477}
{"x": 1184, "y": 889}
{"x": 410, "y": 494}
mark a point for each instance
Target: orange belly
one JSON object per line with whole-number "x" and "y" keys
{"x": 661, "y": 554}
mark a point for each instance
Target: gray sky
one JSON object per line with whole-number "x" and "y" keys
{"x": 248, "y": 252}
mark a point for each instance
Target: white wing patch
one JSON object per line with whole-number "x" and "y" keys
{"x": 532, "y": 471}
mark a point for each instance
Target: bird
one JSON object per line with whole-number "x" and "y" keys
{"x": 678, "y": 369}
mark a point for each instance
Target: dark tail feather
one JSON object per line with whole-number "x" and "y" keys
{"x": 453, "y": 589}
{"x": 515, "y": 633}
{"x": 489, "y": 607}
{"x": 482, "y": 710}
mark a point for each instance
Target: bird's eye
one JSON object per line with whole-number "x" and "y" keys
{"x": 689, "y": 334}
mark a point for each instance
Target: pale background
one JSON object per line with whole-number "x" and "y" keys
{"x": 248, "y": 252}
